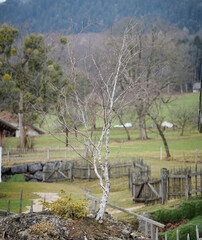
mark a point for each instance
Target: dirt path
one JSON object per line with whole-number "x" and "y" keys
{"x": 37, "y": 207}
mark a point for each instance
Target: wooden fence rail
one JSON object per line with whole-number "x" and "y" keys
{"x": 74, "y": 171}
{"x": 172, "y": 183}
{"x": 151, "y": 227}
{"x": 40, "y": 155}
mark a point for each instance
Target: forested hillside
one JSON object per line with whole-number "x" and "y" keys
{"x": 52, "y": 15}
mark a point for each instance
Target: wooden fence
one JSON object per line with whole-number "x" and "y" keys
{"x": 182, "y": 182}
{"x": 36, "y": 155}
{"x": 71, "y": 170}
{"x": 151, "y": 227}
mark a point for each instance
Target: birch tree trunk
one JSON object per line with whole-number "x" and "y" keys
{"x": 103, "y": 202}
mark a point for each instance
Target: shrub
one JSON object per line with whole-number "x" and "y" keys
{"x": 66, "y": 207}
{"x": 168, "y": 215}
{"x": 188, "y": 210}
{"x": 189, "y": 228}
{"x": 17, "y": 178}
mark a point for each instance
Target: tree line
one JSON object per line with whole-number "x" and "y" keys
{"x": 55, "y": 15}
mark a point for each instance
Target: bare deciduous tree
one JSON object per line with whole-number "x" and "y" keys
{"x": 184, "y": 116}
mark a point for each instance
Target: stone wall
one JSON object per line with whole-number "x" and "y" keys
{"x": 33, "y": 172}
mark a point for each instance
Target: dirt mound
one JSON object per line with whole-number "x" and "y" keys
{"x": 47, "y": 226}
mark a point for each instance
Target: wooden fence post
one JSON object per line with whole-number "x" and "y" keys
{"x": 21, "y": 201}
{"x": 31, "y": 207}
{"x": 157, "y": 234}
{"x": 89, "y": 172}
{"x": 129, "y": 180}
{"x": 152, "y": 232}
{"x": 197, "y": 233}
{"x": 201, "y": 179}
{"x": 71, "y": 174}
{"x": 186, "y": 186}
{"x": 9, "y": 208}
{"x": 196, "y": 170}
{"x": 56, "y": 173}
{"x": 177, "y": 232}
{"x": 146, "y": 229}
{"x": 8, "y": 156}
{"x": 44, "y": 173}
{"x": 164, "y": 185}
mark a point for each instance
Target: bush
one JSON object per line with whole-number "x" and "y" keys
{"x": 67, "y": 208}
{"x": 188, "y": 210}
{"x": 166, "y": 215}
{"x": 17, "y": 178}
{"x": 189, "y": 228}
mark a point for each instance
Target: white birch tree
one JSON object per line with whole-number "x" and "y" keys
{"x": 105, "y": 86}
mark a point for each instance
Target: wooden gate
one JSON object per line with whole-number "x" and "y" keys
{"x": 60, "y": 171}
{"x": 144, "y": 189}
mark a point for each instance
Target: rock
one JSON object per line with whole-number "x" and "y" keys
{"x": 91, "y": 215}
{"x": 6, "y": 170}
{"x": 18, "y": 169}
{"x": 26, "y": 225}
{"x": 38, "y": 175}
{"x": 126, "y": 231}
{"x": 114, "y": 238}
{"x": 34, "y": 167}
{"x": 50, "y": 165}
{"x": 24, "y": 234}
{"x": 5, "y": 178}
{"x": 33, "y": 180}
{"x": 28, "y": 177}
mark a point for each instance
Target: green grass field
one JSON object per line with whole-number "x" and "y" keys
{"x": 183, "y": 152}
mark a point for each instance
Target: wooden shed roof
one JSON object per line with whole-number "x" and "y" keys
{"x": 7, "y": 126}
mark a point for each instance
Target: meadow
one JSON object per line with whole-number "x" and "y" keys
{"x": 183, "y": 154}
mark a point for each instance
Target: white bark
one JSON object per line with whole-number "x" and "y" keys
{"x": 108, "y": 94}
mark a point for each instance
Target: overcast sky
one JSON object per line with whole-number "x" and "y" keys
{"x": 1, "y": 1}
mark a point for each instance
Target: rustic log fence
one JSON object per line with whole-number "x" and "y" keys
{"x": 73, "y": 170}
{"x": 36, "y": 155}
{"x": 174, "y": 183}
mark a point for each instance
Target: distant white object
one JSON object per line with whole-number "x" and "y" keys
{"x": 167, "y": 124}
{"x": 121, "y": 126}
{"x": 118, "y": 126}
{"x": 128, "y": 125}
